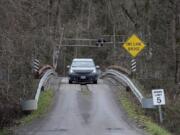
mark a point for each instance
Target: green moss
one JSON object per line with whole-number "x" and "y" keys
{"x": 137, "y": 115}
{"x": 4, "y": 132}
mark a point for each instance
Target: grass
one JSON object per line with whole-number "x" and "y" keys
{"x": 138, "y": 116}
{"x": 43, "y": 105}
{"x": 4, "y": 132}
{"x": 44, "y": 102}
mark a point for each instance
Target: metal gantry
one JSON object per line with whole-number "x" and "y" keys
{"x": 106, "y": 40}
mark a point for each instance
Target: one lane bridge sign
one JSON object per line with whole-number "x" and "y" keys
{"x": 158, "y": 97}
{"x": 134, "y": 45}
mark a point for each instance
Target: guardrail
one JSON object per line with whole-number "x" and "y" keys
{"x": 30, "y": 105}
{"x": 121, "y": 69}
{"x": 145, "y": 102}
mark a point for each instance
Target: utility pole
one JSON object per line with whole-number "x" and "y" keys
{"x": 64, "y": 64}
{"x": 56, "y": 51}
{"x": 89, "y": 14}
{"x": 77, "y": 34}
{"x": 114, "y": 43}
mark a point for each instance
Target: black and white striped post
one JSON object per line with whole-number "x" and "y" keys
{"x": 35, "y": 67}
{"x": 133, "y": 65}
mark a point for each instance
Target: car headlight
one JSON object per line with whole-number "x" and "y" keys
{"x": 71, "y": 71}
{"x": 94, "y": 71}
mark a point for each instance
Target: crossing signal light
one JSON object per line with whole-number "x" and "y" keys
{"x": 100, "y": 42}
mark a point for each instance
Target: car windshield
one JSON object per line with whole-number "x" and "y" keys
{"x": 83, "y": 64}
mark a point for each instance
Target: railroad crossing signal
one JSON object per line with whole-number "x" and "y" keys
{"x": 100, "y": 42}
{"x": 133, "y": 45}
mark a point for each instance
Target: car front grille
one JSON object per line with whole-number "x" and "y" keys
{"x": 83, "y": 72}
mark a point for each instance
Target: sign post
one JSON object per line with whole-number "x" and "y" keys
{"x": 160, "y": 114}
{"x": 36, "y": 63}
{"x": 134, "y": 45}
{"x": 159, "y": 100}
{"x": 133, "y": 65}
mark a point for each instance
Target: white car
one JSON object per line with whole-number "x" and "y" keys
{"x": 83, "y": 70}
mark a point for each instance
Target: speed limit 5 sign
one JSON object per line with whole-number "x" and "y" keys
{"x": 158, "y": 97}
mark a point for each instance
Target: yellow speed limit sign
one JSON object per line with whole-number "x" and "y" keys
{"x": 133, "y": 45}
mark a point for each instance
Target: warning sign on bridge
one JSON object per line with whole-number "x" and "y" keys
{"x": 133, "y": 45}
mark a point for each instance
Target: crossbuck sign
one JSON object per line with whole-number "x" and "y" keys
{"x": 158, "y": 97}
